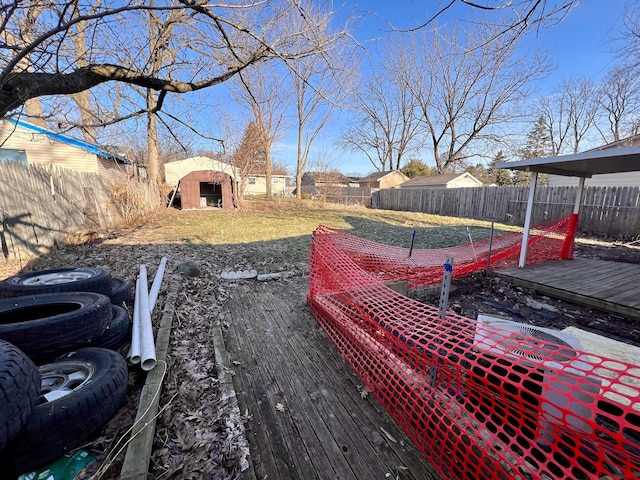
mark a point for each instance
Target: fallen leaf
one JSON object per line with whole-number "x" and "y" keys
{"x": 280, "y": 407}
{"x": 364, "y": 392}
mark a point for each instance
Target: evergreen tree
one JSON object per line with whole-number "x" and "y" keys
{"x": 501, "y": 176}
{"x": 417, "y": 168}
{"x": 538, "y": 145}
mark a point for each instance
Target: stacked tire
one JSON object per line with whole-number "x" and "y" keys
{"x": 70, "y": 322}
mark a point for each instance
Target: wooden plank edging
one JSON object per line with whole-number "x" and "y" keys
{"x": 136, "y": 461}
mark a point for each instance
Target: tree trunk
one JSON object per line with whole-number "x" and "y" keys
{"x": 83, "y": 100}
{"x": 267, "y": 171}
{"x": 153, "y": 148}
{"x": 35, "y": 114}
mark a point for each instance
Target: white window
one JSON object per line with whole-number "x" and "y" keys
{"x": 276, "y": 180}
{"x": 252, "y": 180}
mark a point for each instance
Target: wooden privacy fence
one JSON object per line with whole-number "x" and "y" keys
{"x": 612, "y": 212}
{"x": 38, "y": 205}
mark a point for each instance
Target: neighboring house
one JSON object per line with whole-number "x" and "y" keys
{"x": 204, "y": 182}
{"x": 257, "y": 184}
{"x": 328, "y": 179}
{"x": 453, "y": 180}
{"x": 378, "y": 180}
{"x": 626, "y": 179}
{"x": 174, "y": 171}
{"x": 21, "y": 141}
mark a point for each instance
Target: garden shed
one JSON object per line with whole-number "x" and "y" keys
{"x": 207, "y": 188}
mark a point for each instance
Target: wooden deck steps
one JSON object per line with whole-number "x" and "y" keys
{"x": 308, "y": 419}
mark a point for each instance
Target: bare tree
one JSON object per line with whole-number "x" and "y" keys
{"x": 226, "y": 39}
{"x": 619, "y": 100}
{"x": 320, "y": 83}
{"x": 511, "y": 19}
{"x": 262, "y": 91}
{"x": 467, "y": 85}
{"x": 385, "y": 126}
{"x": 569, "y": 114}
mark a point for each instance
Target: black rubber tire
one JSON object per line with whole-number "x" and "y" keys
{"x": 19, "y": 391}
{"x": 61, "y": 425}
{"x": 71, "y": 279}
{"x": 48, "y": 325}
{"x": 121, "y": 292}
{"x": 118, "y": 330}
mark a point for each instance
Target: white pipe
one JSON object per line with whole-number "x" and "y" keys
{"x": 134, "y": 350}
{"x": 147, "y": 346}
{"x": 527, "y": 220}
{"x": 155, "y": 288}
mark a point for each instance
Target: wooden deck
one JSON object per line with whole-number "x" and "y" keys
{"x": 610, "y": 286}
{"x": 307, "y": 419}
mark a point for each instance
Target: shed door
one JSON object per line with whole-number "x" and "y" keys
{"x": 210, "y": 194}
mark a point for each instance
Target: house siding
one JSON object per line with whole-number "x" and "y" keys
{"x": 41, "y": 150}
{"x": 109, "y": 167}
{"x": 278, "y": 185}
{"x": 627, "y": 179}
{"x": 462, "y": 183}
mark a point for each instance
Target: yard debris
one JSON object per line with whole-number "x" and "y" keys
{"x": 536, "y": 305}
{"x": 239, "y": 274}
{"x": 280, "y": 407}
{"x": 189, "y": 268}
{"x": 364, "y": 392}
{"x": 388, "y": 435}
{"x": 269, "y": 276}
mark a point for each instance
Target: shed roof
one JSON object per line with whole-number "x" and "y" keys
{"x": 585, "y": 164}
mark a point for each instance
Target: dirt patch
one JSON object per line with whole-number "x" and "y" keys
{"x": 490, "y": 295}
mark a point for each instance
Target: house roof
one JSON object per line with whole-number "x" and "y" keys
{"x": 585, "y": 164}
{"x": 432, "y": 180}
{"x": 75, "y": 142}
{"x": 374, "y": 177}
{"x": 326, "y": 177}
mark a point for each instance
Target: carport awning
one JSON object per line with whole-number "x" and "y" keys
{"x": 585, "y": 164}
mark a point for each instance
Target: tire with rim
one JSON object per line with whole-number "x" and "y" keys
{"x": 120, "y": 291}
{"x": 118, "y": 330}
{"x": 51, "y": 324}
{"x": 80, "y": 393}
{"x": 71, "y": 279}
{"x": 19, "y": 390}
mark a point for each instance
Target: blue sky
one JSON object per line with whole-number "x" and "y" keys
{"x": 582, "y": 44}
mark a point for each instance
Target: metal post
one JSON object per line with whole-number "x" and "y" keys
{"x": 446, "y": 285}
{"x": 475, "y": 257}
{"x": 413, "y": 237}
{"x": 490, "y": 246}
{"x": 527, "y": 220}
{"x": 576, "y": 207}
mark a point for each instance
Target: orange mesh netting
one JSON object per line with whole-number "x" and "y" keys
{"x": 480, "y": 401}
{"x": 424, "y": 267}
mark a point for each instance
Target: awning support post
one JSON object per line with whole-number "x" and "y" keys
{"x": 527, "y": 220}
{"x": 576, "y": 207}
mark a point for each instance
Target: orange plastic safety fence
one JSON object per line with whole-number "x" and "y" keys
{"x": 479, "y": 401}
{"x": 424, "y": 266}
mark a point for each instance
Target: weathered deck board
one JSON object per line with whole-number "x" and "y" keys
{"x": 326, "y": 431}
{"x": 610, "y": 286}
